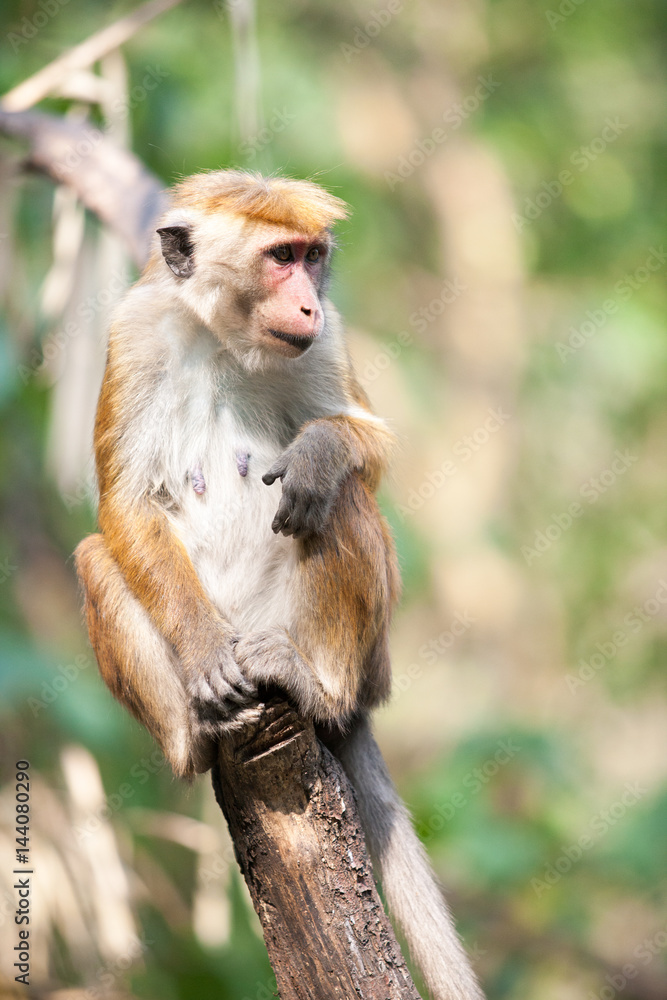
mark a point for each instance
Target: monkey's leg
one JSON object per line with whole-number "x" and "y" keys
{"x": 137, "y": 663}
{"x": 331, "y": 656}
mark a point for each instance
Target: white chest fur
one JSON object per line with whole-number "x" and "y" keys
{"x": 224, "y": 511}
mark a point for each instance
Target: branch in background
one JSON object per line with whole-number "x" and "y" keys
{"x": 49, "y": 78}
{"x": 293, "y": 819}
{"x": 110, "y": 181}
{"x": 242, "y": 16}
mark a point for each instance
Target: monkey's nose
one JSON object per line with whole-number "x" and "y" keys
{"x": 305, "y": 311}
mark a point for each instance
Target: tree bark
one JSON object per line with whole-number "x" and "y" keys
{"x": 298, "y": 841}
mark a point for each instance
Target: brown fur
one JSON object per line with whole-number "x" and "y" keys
{"x": 298, "y": 205}
{"x": 371, "y": 447}
{"x": 353, "y": 619}
{"x": 153, "y": 562}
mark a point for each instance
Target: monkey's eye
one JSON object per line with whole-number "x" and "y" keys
{"x": 313, "y": 255}
{"x": 282, "y": 253}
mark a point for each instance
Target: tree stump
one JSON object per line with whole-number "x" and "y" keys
{"x": 301, "y": 849}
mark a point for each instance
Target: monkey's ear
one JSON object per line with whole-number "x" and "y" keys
{"x": 177, "y": 249}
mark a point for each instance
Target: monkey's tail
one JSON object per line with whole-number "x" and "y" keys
{"x": 408, "y": 881}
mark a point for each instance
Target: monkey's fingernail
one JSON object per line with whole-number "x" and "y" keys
{"x": 242, "y": 462}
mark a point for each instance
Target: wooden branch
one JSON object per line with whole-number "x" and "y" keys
{"x": 50, "y": 77}
{"x": 110, "y": 181}
{"x": 293, "y": 819}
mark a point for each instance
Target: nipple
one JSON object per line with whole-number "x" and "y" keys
{"x": 242, "y": 462}
{"x": 198, "y": 481}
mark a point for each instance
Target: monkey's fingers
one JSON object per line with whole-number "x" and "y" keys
{"x": 284, "y": 519}
{"x": 301, "y": 516}
{"x": 277, "y": 471}
{"x": 222, "y": 686}
{"x": 228, "y": 679}
{"x": 300, "y": 522}
{"x": 240, "y": 690}
{"x": 238, "y": 697}
{"x": 312, "y": 517}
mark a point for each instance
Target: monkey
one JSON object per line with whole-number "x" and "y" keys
{"x": 241, "y": 545}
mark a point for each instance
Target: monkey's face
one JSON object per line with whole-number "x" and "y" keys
{"x": 256, "y": 286}
{"x": 287, "y": 315}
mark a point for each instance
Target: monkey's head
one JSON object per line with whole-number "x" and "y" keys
{"x": 250, "y": 257}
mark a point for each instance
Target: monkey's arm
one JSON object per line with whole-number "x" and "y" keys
{"x": 326, "y": 450}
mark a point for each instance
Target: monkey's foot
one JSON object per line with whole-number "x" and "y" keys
{"x": 264, "y": 656}
{"x": 270, "y": 659}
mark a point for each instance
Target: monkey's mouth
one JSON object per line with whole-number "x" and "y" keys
{"x": 301, "y": 343}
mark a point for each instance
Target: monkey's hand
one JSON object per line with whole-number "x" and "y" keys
{"x": 311, "y": 470}
{"x": 219, "y": 693}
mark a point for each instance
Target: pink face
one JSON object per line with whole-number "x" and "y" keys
{"x": 290, "y": 315}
